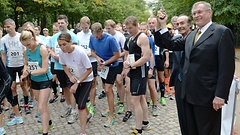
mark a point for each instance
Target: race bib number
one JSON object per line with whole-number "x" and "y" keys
{"x": 104, "y": 72}
{"x": 157, "y": 50}
{"x": 32, "y": 66}
{"x": 74, "y": 71}
{"x": 131, "y": 59}
{"x": 86, "y": 49}
{"x": 57, "y": 49}
{"x": 14, "y": 54}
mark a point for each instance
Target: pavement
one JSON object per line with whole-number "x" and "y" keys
{"x": 166, "y": 123}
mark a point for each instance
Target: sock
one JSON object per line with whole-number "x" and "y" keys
{"x": 74, "y": 110}
{"x": 50, "y": 122}
{"x": 25, "y": 99}
{"x": 139, "y": 130}
{"x": 129, "y": 112}
{"x": 145, "y": 122}
{"x": 69, "y": 106}
{"x": 162, "y": 89}
{"x": 54, "y": 87}
{"x": 166, "y": 81}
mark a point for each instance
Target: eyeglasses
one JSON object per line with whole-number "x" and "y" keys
{"x": 199, "y": 12}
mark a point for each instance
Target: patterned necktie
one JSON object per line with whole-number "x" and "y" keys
{"x": 196, "y": 36}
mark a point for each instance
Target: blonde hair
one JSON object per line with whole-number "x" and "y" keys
{"x": 111, "y": 23}
{"x": 85, "y": 19}
{"x": 131, "y": 20}
{"x": 96, "y": 27}
{"x": 28, "y": 34}
{"x": 144, "y": 24}
{"x": 206, "y": 4}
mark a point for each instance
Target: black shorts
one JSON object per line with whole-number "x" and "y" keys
{"x": 138, "y": 86}
{"x": 41, "y": 85}
{"x": 62, "y": 78}
{"x": 52, "y": 68}
{"x": 82, "y": 94}
{"x": 13, "y": 70}
{"x": 94, "y": 68}
{"x": 111, "y": 77}
{"x": 159, "y": 63}
{"x": 120, "y": 68}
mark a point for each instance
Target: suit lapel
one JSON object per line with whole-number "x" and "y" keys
{"x": 189, "y": 43}
{"x": 204, "y": 36}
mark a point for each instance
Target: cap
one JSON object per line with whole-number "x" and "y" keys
{"x": 45, "y": 29}
{"x": 169, "y": 26}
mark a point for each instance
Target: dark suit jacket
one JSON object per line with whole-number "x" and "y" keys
{"x": 209, "y": 64}
{"x": 178, "y": 61}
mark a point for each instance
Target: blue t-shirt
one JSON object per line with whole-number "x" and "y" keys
{"x": 34, "y": 62}
{"x": 105, "y": 47}
{"x": 151, "y": 42}
{"x": 53, "y": 43}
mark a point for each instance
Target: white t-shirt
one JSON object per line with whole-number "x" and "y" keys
{"x": 14, "y": 50}
{"x": 77, "y": 62}
{"x": 121, "y": 41}
{"x": 83, "y": 40}
{"x": 40, "y": 40}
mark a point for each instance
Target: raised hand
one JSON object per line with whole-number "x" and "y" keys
{"x": 161, "y": 19}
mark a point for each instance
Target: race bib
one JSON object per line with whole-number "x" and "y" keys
{"x": 131, "y": 59}
{"x": 14, "y": 54}
{"x": 148, "y": 63}
{"x": 157, "y": 50}
{"x": 104, "y": 72}
{"x": 57, "y": 49}
{"x": 74, "y": 71}
{"x": 32, "y": 66}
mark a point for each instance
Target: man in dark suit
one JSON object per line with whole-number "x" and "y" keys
{"x": 208, "y": 68}
{"x": 184, "y": 24}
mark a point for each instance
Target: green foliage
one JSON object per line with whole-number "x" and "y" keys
{"x": 45, "y": 12}
{"x": 6, "y": 10}
{"x": 225, "y": 12}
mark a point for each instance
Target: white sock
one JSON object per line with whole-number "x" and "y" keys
{"x": 74, "y": 111}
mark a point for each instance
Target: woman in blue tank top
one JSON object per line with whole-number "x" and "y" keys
{"x": 37, "y": 69}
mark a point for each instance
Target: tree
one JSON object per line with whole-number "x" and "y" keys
{"x": 225, "y": 12}
{"x": 45, "y": 12}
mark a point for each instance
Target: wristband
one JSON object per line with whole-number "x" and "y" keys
{"x": 129, "y": 66}
{"x": 29, "y": 73}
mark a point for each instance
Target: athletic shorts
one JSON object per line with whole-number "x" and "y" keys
{"x": 13, "y": 70}
{"x": 41, "y": 85}
{"x": 94, "y": 68}
{"x": 120, "y": 68}
{"x": 111, "y": 77}
{"x": 62, "y": 78}
{"x": 138, "y": 86}
{"x": 159, "y": 63}
{"x": 82, "y": 94}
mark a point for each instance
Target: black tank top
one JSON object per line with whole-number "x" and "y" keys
{"x": 138, "y": 72}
